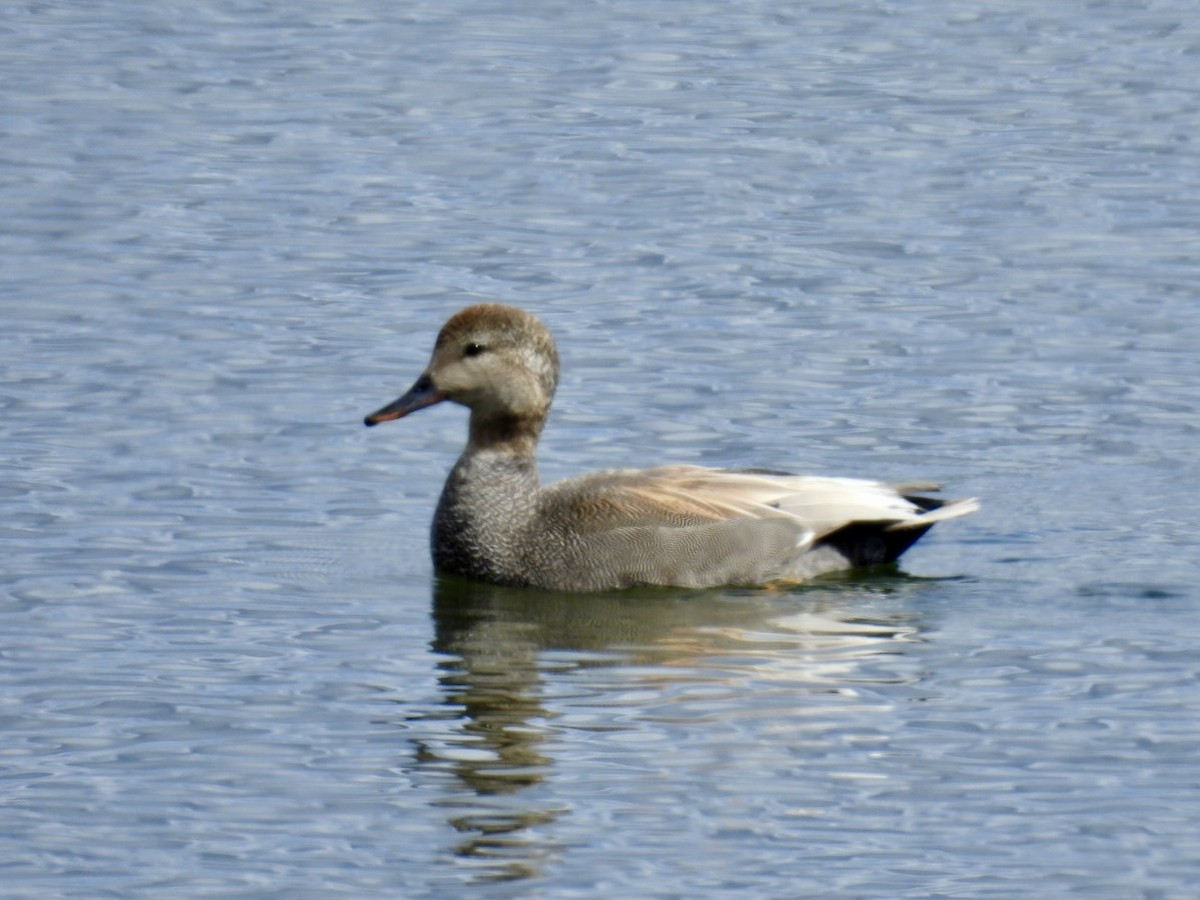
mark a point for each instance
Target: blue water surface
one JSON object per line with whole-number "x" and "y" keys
{"x": 902, "y": 240}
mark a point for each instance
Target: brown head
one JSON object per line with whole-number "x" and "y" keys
{"x": 497, "y": 360}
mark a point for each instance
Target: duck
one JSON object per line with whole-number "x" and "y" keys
{"x": 680, "y": 525}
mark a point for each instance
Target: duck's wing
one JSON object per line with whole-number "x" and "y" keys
{"x": 688, "y": 525}
{"x": 664, "y": 496}
{"x": 692, "y": 495}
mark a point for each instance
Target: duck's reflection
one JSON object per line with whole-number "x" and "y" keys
{"x": 501, "y": 648}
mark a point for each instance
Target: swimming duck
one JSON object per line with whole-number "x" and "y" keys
{"x": 680, "y": 525}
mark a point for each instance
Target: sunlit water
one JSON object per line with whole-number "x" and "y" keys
{"x": 901, "y": 240}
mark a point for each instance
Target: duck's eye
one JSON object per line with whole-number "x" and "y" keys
{"x": 474, "y": 349}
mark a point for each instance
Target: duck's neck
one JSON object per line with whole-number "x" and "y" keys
{"x": 515, "y": 436}
{"x": 489, "y": 497}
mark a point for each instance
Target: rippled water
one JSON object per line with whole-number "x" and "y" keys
{"x": 898, "y": 240}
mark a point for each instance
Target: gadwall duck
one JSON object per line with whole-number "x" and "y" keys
{"x": 679, "y": 525}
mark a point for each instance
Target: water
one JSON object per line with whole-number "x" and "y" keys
{"x": 895, "y": 240}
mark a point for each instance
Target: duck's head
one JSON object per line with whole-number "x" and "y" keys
{"x": 497, "y": 360}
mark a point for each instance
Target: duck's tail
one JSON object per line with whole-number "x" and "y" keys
{"x": 874, "y": 543}
{"x": 936, "y": 511}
